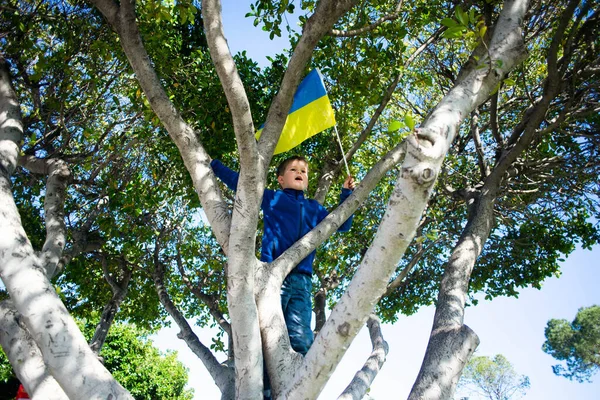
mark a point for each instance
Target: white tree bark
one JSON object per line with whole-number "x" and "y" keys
{"x": 363, "y": 379}
{"x": 451, "y": 342}
{"x": 425, "y": 153}
{"x": 242, "y": 238}
{"x": 25, "y": 357}
{"x": 254, "y": 161}
{"x": 54, "y": 214}
{"x": 65, "y": 351}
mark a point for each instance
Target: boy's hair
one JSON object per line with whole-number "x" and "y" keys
{"x": 281, "y": 168}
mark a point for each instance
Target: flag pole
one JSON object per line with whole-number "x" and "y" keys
{"x": 342, "y": 149}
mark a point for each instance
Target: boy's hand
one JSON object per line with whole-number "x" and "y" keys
{"x": 349, "y": 183}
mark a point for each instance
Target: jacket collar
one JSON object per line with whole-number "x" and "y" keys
{"x": 296, "y": 194}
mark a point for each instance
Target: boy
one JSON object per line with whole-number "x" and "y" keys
{"x": 288, "y": 216}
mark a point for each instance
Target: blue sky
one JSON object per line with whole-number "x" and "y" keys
{"x": 509, "y": 326}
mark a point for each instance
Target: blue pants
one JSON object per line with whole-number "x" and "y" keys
{"x": 297, "y": 310}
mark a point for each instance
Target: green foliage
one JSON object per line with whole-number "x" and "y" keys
{"x": 494, "y": 378}
{"x": 131, "y": 195}
{"x": 6, "y": 371}
{"x": 134, "y": 362}
{"x": 576, "y": 343}
{"x": 141, "y": 368}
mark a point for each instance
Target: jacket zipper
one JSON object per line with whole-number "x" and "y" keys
{"x": 300, "y": 220}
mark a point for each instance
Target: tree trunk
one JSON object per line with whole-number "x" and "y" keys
{"x": 64, "y": 349}
{"x": 25, "y": 357}
{"x": 425, "y": 153}
{"x": 363, "y": 379}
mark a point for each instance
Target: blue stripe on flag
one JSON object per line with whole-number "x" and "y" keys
{"x": 310, "y": 89}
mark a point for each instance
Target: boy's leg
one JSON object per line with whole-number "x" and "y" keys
{"x": 297, "y": 310}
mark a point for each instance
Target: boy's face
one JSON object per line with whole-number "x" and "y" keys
{"x": 295, "y": 176}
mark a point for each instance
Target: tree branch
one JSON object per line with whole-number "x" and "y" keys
{"x": 231, "y": 83}
{"x": 363, "y": 379}
{"x": 222, "y": 375}
{"x": 54, "y": 202}
{"x": 11, "y": 124}
{"x": 123, "y": 20}
{"x": 119, "y": 288}
{"x": 494, "y": 120}
{"x": 206, "y": 299}
{"x": 483, "y": 167}
{"x": 355, "y": 32}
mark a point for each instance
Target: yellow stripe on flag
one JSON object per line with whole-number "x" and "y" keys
{"x": 304, "y": 123}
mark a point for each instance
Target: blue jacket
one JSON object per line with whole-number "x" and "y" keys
{"x": 287, "y": 216}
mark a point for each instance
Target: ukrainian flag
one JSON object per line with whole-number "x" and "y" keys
{"x": 310, "y": 114}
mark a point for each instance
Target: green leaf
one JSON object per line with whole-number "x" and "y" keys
{"x": 462, "y": 17}
{"x": 449, "y": 22}
{"x": 482, "y": 31}
{"x": 394, "y": 126}
{"x": 509, "y": 82}
{"x": 472, "y": 17}
{"x": 409, "y": 121}
{"x": 455, "y": 32}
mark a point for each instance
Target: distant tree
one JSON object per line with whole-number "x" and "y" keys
{"x": 577, "y": 343}
{"x": 493, "y": 378}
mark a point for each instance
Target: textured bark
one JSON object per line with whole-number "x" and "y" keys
{"x": 242, "y": 259}
{"x": 64, "y": 349}
{"x": 254, "y": 161}
{"x": 54, "y": 211}
{"x": 435, "y": 381}
{"x": 11, "y": 126}
{"x": 25, "y": 357}
{"x": 364, "y": 378}
{"x": 425, "y": 153}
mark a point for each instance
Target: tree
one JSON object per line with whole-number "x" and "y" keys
{"x": 134, "y": 361}
{"x": 576, "y": 343}
{"x": 495, "y": 185}
{"x": 493, "y": 378}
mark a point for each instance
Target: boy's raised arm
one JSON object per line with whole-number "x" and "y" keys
{"x": 225, "y": 174}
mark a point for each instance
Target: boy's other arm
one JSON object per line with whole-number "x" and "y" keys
{"x": 230, "y": 178}
{"x": 225, "y": 174}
